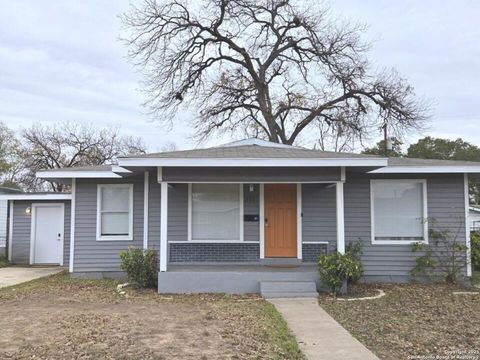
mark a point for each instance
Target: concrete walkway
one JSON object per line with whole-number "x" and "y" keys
{"x": 13, "y": 275}
{"x": 318, "y": 334}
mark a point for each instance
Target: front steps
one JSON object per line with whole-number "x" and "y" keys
{"x": 288, "y": 289}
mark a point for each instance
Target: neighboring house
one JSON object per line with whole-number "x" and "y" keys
{"x": 474, "y": 218}
{"x": 249, "y": 216}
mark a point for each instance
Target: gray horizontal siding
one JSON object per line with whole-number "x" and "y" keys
{"x": 251, "y": 202}
{"x": 319, "y": 221}
{"x": 445, "y": 203}
{"x": 245, "y": 174}
{"x": 178, "y": 212}
{"x": 22, "y": 229}
{"x": 153, "y": 212}
{"x": 93, "y": 255}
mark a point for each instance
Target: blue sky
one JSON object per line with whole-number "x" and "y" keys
{"x": 62, "y": 60}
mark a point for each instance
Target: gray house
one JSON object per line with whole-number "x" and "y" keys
{"x": 250, "y": 216}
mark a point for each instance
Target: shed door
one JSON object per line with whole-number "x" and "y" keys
{"x": 280, "y": 220}
{"x": 47, "y": 221}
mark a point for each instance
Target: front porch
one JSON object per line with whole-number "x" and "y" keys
{"x": 238, "y": 279}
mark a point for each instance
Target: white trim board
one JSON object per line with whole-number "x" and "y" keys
{"x": 424, "y": 210}
{"x": 426, "y": 169}
{"x": 467, "y": 226}
{"x": 299, "y": 222}
{"x": 27, "y": 196}
{"x": 33, "y": 224}
{"x": 61, "y": 174}
{"x": 10, "y": 231}
{"x": 146, "y": 187}
{"x": 72, "y": 227}
{"x": 262, "y": 220}
{"x": 251, "y": 162}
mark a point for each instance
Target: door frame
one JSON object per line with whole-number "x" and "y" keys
{"x": 299, "y": 220}
{"x": 33, "y": 229}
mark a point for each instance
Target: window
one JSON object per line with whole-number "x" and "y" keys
{"x": 399, "y": 211}
{"x": 115, "y": 212}
{"x": 216, "y": 212}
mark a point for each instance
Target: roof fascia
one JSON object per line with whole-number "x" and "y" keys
{"x": 77, "y": 174}
{"x": 26, "y": 196}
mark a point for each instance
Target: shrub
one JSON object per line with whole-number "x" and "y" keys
{"x": 336, "y": 268}
{"x": 444, "y": 255}
{"x": 475, "y": 243}
{"x": 141, "y": 267}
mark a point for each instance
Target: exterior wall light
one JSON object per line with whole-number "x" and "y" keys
{"x": 28, "y": 211}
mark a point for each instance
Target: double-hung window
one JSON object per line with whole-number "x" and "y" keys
{"x": 216, "y": 212}
{"x": 399, "y": 211}
{"x": 115, "y": 212}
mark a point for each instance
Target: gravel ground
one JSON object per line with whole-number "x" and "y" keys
{"x": 63, "y": 318}
{"x": 413, "y": 322}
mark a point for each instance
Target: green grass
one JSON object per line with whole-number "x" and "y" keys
{"x": 3, "y": 262}
{"x": 476, "y": 277}
{"x": 281, "y": 335}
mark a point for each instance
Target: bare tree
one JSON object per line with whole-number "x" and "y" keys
{"x": 70, "y": 145}
{"x": 269, "y": 69}
{"x": 10, "y": 158}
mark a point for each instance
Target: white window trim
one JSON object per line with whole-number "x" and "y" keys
{"x": 128, "y": 237}
{"x": 425, "y": 212}
{"x": 241, "y": 232}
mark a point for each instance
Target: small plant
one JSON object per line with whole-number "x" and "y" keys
{"x": 141, "y": 266}
{"x": 336, "y": 268}
{"x": 475, "y": 245}
{"x": 3, "y": 261}
{"x": 444, "y": 256}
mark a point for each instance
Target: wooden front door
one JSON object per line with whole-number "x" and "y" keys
{"x": 280, "y": 220}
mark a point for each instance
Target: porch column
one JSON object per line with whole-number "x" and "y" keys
{"x": 163, "y": 225}
{"x": 340, "y": 218}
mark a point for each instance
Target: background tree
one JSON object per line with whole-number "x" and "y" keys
{"x": 445, "y": 149}
{"x": 269, "y": 69}
{"x": 10, "y": 158}
{"x": 379, "y": 149}
{"x": 67, "y": 145}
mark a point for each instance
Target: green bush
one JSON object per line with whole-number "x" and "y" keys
{"x": 336, "y": 268}
{"x": 445, "y": 255}
{"x": 475, "y": 242}
{"x": 141, "y": 267}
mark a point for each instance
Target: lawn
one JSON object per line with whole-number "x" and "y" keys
{"x": 413, "y": 320}
{"x": 60, "y": 317}
{"x": 3, "y": 262}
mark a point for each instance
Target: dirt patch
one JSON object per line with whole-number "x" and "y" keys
{"x": 413, "y": 321}
{"x": 63, "y": 318}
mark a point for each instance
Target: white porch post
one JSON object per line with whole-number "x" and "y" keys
{"x": 163, "y": 225}
{"x": 467, "y": 225}
{"x": 340, "y": 218}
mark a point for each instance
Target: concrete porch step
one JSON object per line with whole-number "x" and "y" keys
{"x": 288, "y": 289}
